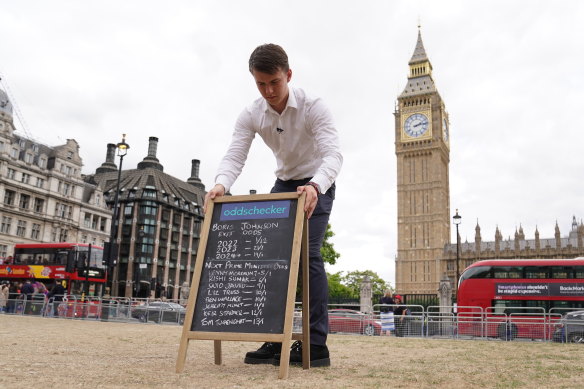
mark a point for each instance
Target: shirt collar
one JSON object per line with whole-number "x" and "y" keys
{"x": 291, "y": 103}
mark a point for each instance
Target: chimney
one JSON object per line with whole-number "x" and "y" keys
{"x": 109, "y": 165}
{"x": 151, "y": 161}
{"x": 194, "y": 178}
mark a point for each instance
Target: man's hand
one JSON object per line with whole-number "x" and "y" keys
{"x": 311, "y": 198}
{"x": 217, "y": 191}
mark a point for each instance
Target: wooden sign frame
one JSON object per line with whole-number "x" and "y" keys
{"x": 299, "y": 247}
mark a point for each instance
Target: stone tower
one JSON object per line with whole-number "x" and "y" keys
{"x": 423, "y": 193}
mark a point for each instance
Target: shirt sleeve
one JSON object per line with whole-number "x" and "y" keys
{"x": 232, "y": 163}
{"x": 320, "y": 121}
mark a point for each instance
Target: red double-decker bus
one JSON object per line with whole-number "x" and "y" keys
{"x": 80, "y": 265}
{"x": 523, "y": 290}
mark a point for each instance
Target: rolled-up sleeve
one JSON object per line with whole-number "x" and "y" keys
{"x": 327, "y": 143}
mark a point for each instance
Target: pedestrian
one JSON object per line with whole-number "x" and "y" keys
{"x": 3, "y": 297}
{"x": 399, "y": 314}
{"x": 299, "y": 130}
{"x": 386, "y": 313}
{"x": 13, "y": 295}
{"x": 26, "y": 292}
{"x": 56, "y": 296}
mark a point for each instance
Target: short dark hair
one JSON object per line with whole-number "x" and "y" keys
{"x": 268, "y": 58}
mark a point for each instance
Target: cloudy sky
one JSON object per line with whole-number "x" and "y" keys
{"x": 510, "y": 73}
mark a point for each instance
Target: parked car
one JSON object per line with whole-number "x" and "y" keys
{"x": 348, "y": 320}
{"x": 160, "y": 311}
{"x": 571, "y": 328}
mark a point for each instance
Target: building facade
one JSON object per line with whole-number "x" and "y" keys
{"x": 44, "y": 197}
{"x": 160, "y": 219}
{"x": 423, "y": 192}
{"x": 518, "y": 247}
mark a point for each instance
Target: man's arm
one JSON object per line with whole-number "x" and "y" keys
{"x": 233, "y": 161}
{"x": 217, "y": 191}
{"x": 311, "y": 198}
{"x": 327, "y": 141}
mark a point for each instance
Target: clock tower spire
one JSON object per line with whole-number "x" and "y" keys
{"x": 423, "y": 157}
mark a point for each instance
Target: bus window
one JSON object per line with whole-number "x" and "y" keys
{"x": 61, "y": 257}
{"x": 508, "y": 272}
{"x": 562, "y": 272}
{"x": 579, "y": 272}
{"x": 536, "y": 272}
{"x": 477, "y": 272}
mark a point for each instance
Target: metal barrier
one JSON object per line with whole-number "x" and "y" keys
{"x": 443, "y": 322}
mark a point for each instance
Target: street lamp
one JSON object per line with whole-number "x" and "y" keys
{"x": 113, "y": 247}
{"x": 457, "y": 219}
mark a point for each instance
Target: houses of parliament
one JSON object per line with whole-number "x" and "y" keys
{"x": 422, "y": 147}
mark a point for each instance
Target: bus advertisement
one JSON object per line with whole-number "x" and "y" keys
{"x": 512, "y": 295}
{"x": 80, "y": 265}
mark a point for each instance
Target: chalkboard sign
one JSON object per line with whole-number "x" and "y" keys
{"x": 244, "y": 280}
{"x": 244, "y": 284}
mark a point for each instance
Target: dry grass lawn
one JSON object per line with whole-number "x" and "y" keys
{"x": 55, "y": 353}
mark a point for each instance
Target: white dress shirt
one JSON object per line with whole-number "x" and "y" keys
{"x": 303, "y": 139}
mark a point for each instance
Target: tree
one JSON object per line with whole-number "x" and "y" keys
{"x": 328, "y": 252}
{"x": 353, "y": 281}
{"x": 336, "y": 287}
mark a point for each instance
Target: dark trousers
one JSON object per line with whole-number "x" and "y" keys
{"x": 317, "y": 223}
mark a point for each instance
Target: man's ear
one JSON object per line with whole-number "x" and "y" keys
{"x": 289, "y": 75}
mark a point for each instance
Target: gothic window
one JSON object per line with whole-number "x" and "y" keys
{"x": 9, "y": 197}
{"x": 3, "y": 250}
{"x": 35, "y": 231}
{"x": 6, "y": 224}
{"x": 21, "y": 228}
{"x": 63, "y": 235}
{"x": 39, "y": 205}
{"x": 87, "y": 220}
{"x": 24, "y": 201}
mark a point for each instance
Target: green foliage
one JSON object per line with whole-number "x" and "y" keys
{"x": 336, "y": 287}
{"x": 353, "y": 281}
{"x": 328, "y": 252}
{"x": 349, "y": 285}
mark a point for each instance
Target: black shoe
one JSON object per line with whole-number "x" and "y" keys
{"x": 319, "y": 355}
{"x": 264, "y": 354}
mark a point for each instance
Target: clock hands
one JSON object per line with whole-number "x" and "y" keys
{"x": 419, "y": 124}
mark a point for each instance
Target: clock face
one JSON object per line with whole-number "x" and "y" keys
{"x": 445, "y": 129}
{"x": 416, "y": 125}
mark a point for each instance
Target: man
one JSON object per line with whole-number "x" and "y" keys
{"x": 399, "y": 313}
{"x": 57, "y": 294}
{"x": 300, "y": 132}
{"x": 27, "y": 291}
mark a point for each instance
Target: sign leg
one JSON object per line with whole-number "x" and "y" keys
{"x": 182, "y": 355}
{"x": 284, "y": 359}
{"x": 218, "y": 355}
{"x": 305, "y": 299}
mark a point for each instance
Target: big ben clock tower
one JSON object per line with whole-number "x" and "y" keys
{"x": 423, "y": 193}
